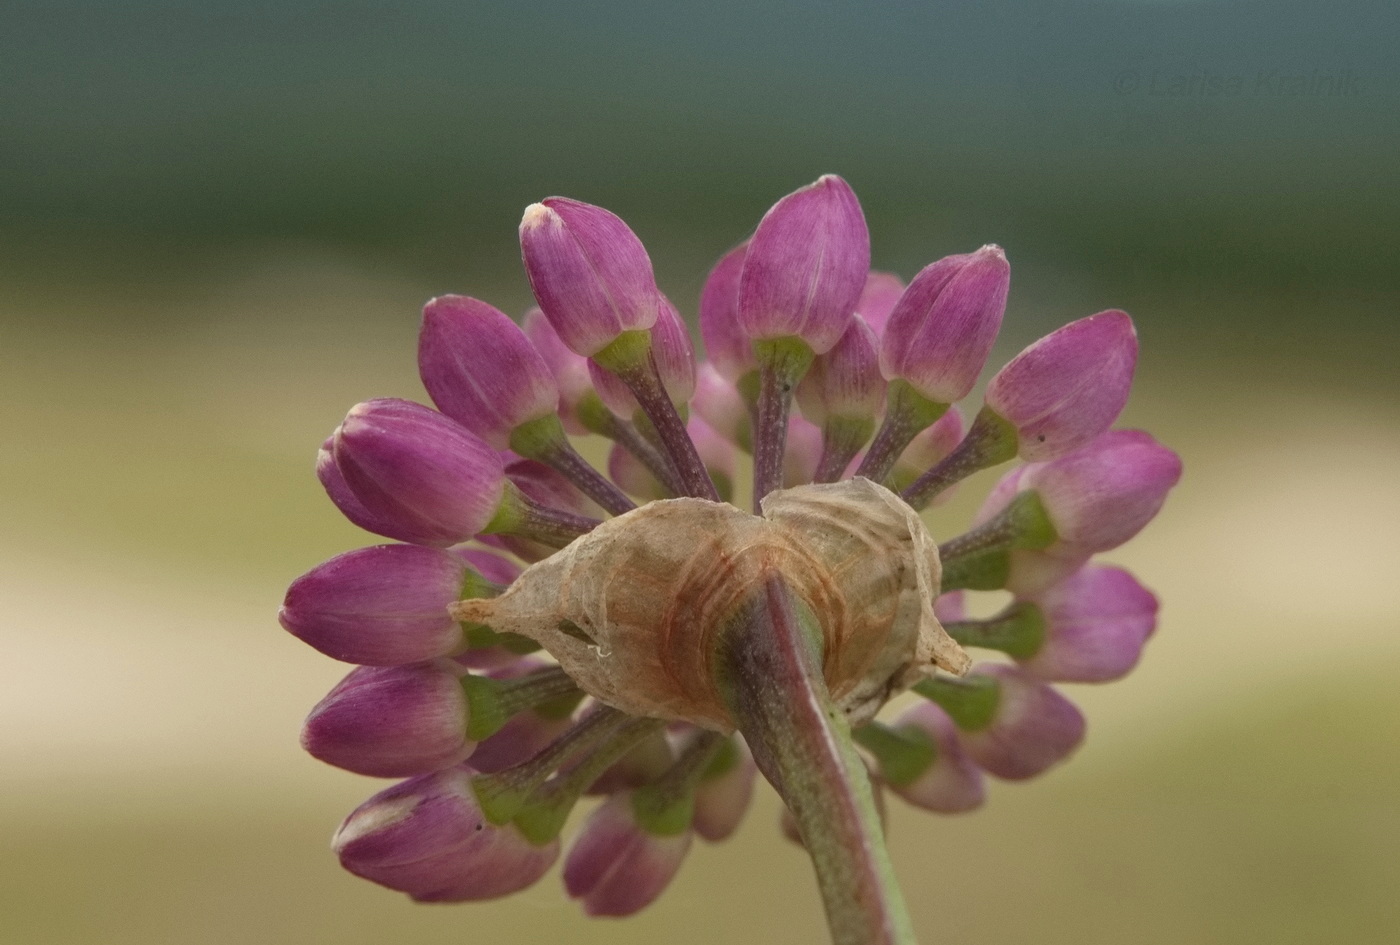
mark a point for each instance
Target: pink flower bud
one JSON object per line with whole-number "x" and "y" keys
{"x": 1102, "y": 495}
{"x": 882, "y": 290}
{"x": 615, "y": 867}
{"x": 589, "y": 272}
{"x": 846, "y": 381}
{"x": 391, "y": 721}
{"x": 952, "y": 783}
{"x": 427, "y": 837}
{"x": 806, "y": 266}
{"x": 520, "y": 739}
{"x": 722, "y": 799}
{"x": 950, "y": 607}
{"x": 727, "y": 347}
{"x": 570, "y": 370}
{"x": 804, "y": 451}
{"x": 1069, "y": 386}
{"x": 481, "y": 370}
{"x": 381, "y": 606}
{"x": 943, "y": 327}
{"x": 1095, "y": 623}
{"x": 420, "y": 476}
{"x": 720, "y": 456}
{"x": 719, "y": 403}
{"x": 674, "y": 353}
{"x": 1033, "y": 727}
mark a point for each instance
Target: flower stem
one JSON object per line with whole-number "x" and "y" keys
{"x": 631, "y": 358}
{"x": 546, "y": 442}
{"x": 782, "y": 363}
{"x": 907, "y": 414}
{"x": 521, "y": 515}
{"x": 771, "y": 678}
{"x": 991, "y": 441}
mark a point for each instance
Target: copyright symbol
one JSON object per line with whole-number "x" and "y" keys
{"x": 1125, "y": 83}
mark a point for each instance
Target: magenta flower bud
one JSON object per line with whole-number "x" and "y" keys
{"x": 882, "y": 290}
{"x": 846, "y": 381}
{"x": 615, "y": 866}
{"x": 428, "y": 837}
{"x": 674, "y": 352}
{"x": 1095, "y": 625}
{"x": 1032, "y": 728}
{"x": 950, "y": 607}
{"x": 424, "y": 478}
{"x": 806, "y": 266}
{"x": 589, "y": 272}
{"x": 722, "y": 798}
{"x": 570, "y": 370}
{"x": 391, "y": 721}
{"x": 481, "y": 370}
{"x": 951, "y": 783}
{"x": 727, "y": 347}
{"x": 1069, "y": 386}
{"x": 1102, "y": 495}
{"x": 381, "y": 606}
{"x": 520, "y": 739}
{"x": 719, "y": 403}
{"x": 940, "y": 332}
{"x": 549, "y": 487}
{"x": 333, "y": 481}
{"x": 804, "y": 451}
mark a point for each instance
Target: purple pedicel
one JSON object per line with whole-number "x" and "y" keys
{"x": 1034, "y": 727}
{"x": 392, "y": 721}
{"x": 381, "y": 606}
{"x": 846, "y": 381}
{"x": 481, "y": 370}
{"x": 727, "y": 347}
{"x": 806, "y": 266}
{"x": 1069, "y": 386}
{"x": 953, "y": 783}
{"x": 1096, "y": 623}
{"x": 615, "y": 867}
{"x": 427, "y": 837}
{"x": 589, "y": 272}
{"x": 423, "y": 477}
{"x": 942, "y": 328}
{"x": 882, "y": 290}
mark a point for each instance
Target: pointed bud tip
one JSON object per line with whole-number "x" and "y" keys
{"x": 536, "y": 215}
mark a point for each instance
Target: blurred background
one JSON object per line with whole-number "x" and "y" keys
{"x": 219, "y": 221}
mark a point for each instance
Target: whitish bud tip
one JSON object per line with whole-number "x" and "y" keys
{"x": 992, "y": 249}
{"x": 536, "y": 215}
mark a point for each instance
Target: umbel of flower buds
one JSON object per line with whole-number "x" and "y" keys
{"x": 549, "y": 633}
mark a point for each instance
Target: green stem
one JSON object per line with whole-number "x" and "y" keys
{"x": 771, "y": 676}
{"x": 782, "y": 363}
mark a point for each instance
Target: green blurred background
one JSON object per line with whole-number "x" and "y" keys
{"x": 218, "y": 222}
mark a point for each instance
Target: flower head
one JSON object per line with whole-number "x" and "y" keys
{"x": 547, "y": 631}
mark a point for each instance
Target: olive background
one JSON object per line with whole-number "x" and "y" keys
{"x": 218, "y": 223}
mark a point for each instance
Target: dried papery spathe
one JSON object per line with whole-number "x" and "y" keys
{"x": 633, "y": 610}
